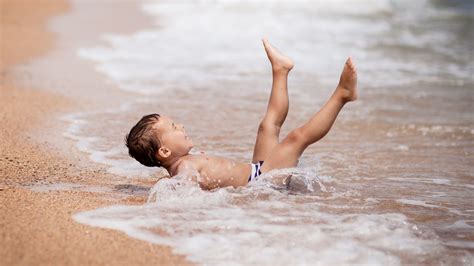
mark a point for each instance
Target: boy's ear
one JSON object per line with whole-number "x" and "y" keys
{"x": 164, "y": 152}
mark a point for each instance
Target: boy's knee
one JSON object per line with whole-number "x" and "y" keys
{"x": 268, "y": 127}
{"x": 297, "y": 136}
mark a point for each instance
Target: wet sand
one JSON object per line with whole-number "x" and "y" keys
{"x": 36, "y": 227}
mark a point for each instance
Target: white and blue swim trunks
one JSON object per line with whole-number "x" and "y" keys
{"x": 255, "y": 170}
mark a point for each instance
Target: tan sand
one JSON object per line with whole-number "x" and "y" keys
{"x": 37, "y": 228}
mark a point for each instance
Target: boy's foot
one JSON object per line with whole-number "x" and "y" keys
{"x": 348, "y": 81}
{"x": 279, "y": 61}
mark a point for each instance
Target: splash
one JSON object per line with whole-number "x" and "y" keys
{"x": 267, "y": 222}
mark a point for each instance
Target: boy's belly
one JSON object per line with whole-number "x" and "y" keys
{"x": 220, "y": 172}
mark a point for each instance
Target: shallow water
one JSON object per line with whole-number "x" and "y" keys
{"x": 270, "y": 224}
{"x": 391, "y": 183}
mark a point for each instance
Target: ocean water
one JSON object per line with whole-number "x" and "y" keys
{"x": 392, "y": 183}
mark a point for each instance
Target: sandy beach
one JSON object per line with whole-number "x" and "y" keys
{"x": 36, "y": 227}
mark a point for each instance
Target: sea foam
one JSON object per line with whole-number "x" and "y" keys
{"x": 262, "y": 225}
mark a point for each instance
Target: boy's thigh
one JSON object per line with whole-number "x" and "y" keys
{"x": 283, "y": 155}
{"x": 267, "y": 140}
{"x": 263, "y": 147}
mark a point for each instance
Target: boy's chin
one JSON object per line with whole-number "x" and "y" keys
{"x": 190, "y": 147}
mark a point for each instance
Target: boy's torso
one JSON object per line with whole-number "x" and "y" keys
{"x": 213, "y": 172}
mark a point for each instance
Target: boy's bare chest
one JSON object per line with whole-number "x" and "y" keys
{"x": 217, "y": 172}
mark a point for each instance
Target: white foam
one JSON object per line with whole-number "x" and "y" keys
{"x": 155, "y": 60}
{"x": 401, "y": 148}
{"x": 229, "y": 225}
{"x": 461, "y": 244}
{"x": 460, "y": 224}
{"x": 418, "y": 203}
{"x": 438, "y": 181}
{"x": 424, "y": 204}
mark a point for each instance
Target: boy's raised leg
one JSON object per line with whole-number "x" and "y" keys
{"x": 269, "y": 128}
{"x": 287, "y": 153}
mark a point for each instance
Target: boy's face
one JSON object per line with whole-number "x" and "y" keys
{"x": 173, "y": 136}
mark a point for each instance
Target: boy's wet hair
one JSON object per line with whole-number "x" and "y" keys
{"x": 142, "y": 141}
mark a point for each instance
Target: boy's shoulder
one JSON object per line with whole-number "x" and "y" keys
{"x": 195, "y": 162}
{"x": 190, "y": 163}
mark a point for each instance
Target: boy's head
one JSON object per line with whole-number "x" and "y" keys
{"x": 156, "y": 139}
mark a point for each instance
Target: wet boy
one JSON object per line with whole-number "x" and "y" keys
{"x": 157, "y": 140}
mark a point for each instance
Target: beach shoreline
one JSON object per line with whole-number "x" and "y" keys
{"x": 390, "y": 184}
{"x": 37, "y": 225}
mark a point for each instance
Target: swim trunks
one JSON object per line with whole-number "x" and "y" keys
{"x": 255, "y": 170}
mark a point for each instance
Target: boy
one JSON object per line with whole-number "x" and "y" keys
{"x": 159, "y": 141}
